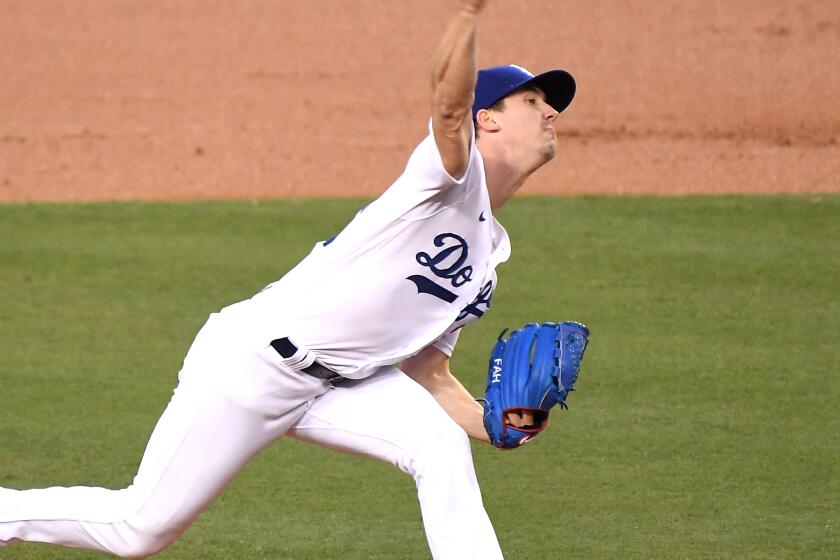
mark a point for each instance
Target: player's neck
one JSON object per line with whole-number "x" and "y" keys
{"x": 503, "y": 179}
{"x": 506, "y": 168}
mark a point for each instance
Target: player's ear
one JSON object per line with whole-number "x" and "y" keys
{"x": 486, "y": 121}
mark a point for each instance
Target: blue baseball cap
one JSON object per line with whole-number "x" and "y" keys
{"x": 500, "y": 81}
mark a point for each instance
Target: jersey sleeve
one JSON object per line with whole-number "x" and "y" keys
{"x": 425, "y": 187}
{"x": 438, "y": 159}
{"x": 425, "y": 167}
{"x": 446, "y": 342}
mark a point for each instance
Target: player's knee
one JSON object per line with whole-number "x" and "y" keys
{"x": 142, "y": 545}
{"x": 145, "y": 540}
{"x": 451, "y": 435}
{"x": 446, "y": 443}
{"x": 453, "y": 438}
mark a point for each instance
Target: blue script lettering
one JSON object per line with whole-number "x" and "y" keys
{"x": 482, "y": 299}
{"x": 448, "y": 264}
{"x": 449, "y": 261}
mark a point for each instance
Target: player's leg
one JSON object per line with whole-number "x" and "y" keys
{"x": 392, "y": 418}
{"x": 200, "y": 443}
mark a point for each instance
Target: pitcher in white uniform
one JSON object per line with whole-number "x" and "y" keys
{"x": 359, "y": 331}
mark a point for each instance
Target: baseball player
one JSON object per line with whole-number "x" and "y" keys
{"x": 350, "y": 349}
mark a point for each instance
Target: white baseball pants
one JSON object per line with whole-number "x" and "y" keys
{"x": 231, "y": 402}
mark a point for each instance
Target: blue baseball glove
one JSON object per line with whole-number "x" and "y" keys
{"x": 530, "y": 372}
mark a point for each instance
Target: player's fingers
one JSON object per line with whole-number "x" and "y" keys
{"x": 520, "y": 419}
{"x": 527, "y": 418}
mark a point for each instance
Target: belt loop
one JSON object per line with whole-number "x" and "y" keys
{"x": 284, "y": 347}
{"x": 300, "y": 359}
{"x": 294, "y": 356}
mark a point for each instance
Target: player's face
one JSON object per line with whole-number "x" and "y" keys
{"x": 528, "y": 123}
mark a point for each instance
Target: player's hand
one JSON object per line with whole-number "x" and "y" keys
{"x": 522, "y": 419}
{"x": 472, "y": 6}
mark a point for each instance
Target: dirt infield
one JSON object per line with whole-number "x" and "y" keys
{"x": 216, "y": 99}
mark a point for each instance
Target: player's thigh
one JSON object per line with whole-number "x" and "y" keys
{"x": 388, "y": 416}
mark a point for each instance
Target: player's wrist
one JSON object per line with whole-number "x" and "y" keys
{"x": 468, "y": 20}
{"x": 472, "y": 7}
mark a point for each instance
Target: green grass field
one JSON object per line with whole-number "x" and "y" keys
{"x": 705, "y": 424}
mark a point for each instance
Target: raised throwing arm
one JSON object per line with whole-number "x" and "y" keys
{"x": 453, "y": 85}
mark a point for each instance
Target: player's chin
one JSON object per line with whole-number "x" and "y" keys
{"x": 549, "y": 150}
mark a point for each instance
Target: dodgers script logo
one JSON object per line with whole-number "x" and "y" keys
{"x": 475, "y": 309}
{"x": 480, "y": 304}
{"x": 447, "y": 264}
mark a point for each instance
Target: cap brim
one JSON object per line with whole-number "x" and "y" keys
{"x": 558, "y": 85}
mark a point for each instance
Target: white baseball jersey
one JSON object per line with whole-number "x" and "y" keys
{"x": 409, "y": 270}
